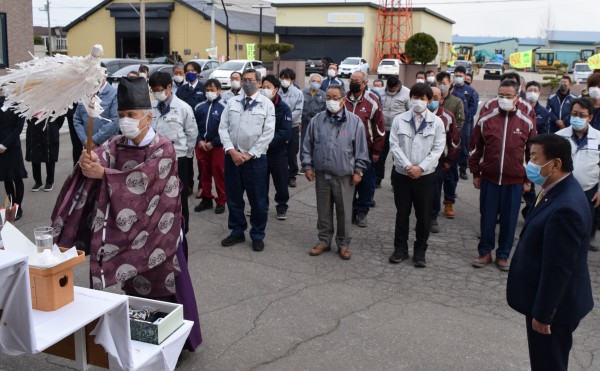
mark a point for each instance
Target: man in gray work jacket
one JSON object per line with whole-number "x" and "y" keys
{"x": 335, "y": 153}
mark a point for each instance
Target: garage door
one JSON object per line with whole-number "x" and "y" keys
{"x": 336, "y": 47}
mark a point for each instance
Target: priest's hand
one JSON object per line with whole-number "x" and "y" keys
{"x": 90, "y": 167}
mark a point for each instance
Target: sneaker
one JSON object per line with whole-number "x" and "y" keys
{"x": 220, "y": 209}
{"x": 463, "y": 173}
{"x": 449, "y": 210}
{"x": 398, "y": 257}
{"x": 361, "y": 220}
{"x": 232, "y": 240}
{"x": 435, "y": 227}
{"x": 502, "y": 264}
{"x": 37, "y": 187}
{"x": 292, "y": 182}
{"x": 282, "y": 216}
{"x": 205, "y": 204}
{"x": 482, "y": 261}
{"x": 419, "y": 262}
{"x": 48, "y": 187}
{"x": 258, "y": 245}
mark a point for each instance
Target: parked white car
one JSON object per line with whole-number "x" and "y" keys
{"x": 388, "y": 67}
{"x": 351, "y": 65}
{"x": 581, "y": 72}
{"x": 223, "y": 72}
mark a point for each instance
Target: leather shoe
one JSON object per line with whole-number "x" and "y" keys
{"x": 318, "y": 249}
{"x": 258, "y": 245}
{"x": 398, "y": 257}
{"x": 345, "y": 253}
{"x": 482, "y": 261}
{"x": 502, "y": 264}
{"x": 232, "y": 240}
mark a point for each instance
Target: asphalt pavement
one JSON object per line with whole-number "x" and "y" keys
{"x": 282, "y": 309}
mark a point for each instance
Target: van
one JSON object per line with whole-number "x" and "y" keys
{"x": 388, "y": 67}
{"x": 581, "y": 71}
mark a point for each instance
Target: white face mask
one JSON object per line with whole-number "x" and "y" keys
{"x": 178, "y": 79}
{"x": 431, "y": 79}
{"x": 267, "y": 93}
{"x": 331, "y": 73}
{"x": 532, "y": 96}
{"x": 333, "y": 105}
{"x": 420, "y": 81}
{"x": 236, "y": 85}
{"x": 418, "y": 105}
{"x": 211, "y": 95}
{"x": 506, "y": 104}
{"x": 286, "y": 83}
{"x": 144, "y": 75}
{"x": 130, "y": 127}
{"x": 594, "y": 92}
{"x": 160, "y": 96}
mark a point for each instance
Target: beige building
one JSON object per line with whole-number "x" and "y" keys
{"x": 16, "y": 33}
{"x": 340, "y": 30}
{"x": 172, "y": 27}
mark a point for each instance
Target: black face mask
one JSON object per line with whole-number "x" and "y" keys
{"x": 355, "y": 87}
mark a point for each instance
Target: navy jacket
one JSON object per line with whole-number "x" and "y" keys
{"x": 189, "y": 96}
{"x": 596, "y": 119}
{"x": 549, "y": 278}
{"x": 208, "y": 118}
{"x": 560, "y": 109}
{"x": 542, "y": 119}
{"x": 471, "y": 101}
{"x": 283, "y": 126}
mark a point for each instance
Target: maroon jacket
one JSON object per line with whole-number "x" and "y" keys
{"x": 500, "y": 145}
{"x": 368, "y": 109}
{"x": 452, "y": 136}
{"x": 522, "y": 105}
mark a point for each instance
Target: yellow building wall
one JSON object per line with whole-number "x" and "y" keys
{"x": 436, "y": 27}
{"x": 188, "y": 30}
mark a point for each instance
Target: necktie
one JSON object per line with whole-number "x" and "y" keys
{"x": 539, "y": 198}
{"x": 247, "y": 104}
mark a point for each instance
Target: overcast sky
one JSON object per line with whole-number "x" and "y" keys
{"x": 518, "y": 18}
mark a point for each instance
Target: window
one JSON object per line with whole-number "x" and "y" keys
{"x": 3, "y": 42}
{"x": 239, "y": 46}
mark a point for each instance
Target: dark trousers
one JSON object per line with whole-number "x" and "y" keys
{"x": 529, "y": 198}
{"x": 364, "y": 192}
{"x": 447, "y": 181}
{"x": 36, "y": 167}
{"x": 465, "y": 138}
{"x": 182, "y": 172}
{"x": 409, "y": 193}
{"x": 302, "y": 136}
{"x": 278, "y": 170}
{"x": 76, "y": 143}
{"x": 15, "y": 190}
{"x": 190, "y": 173}
{"x": 250, "y": 178}
{"x": 501, "y": 201}
{"x": 550, "y": 352}
{"x": 292, "y": 152}
{"x": 590, "y": 194}
{"x": 380, "y": 165}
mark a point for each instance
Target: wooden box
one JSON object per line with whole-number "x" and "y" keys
{"x": 52, "y": 288}
{"x": 155, "y": 333}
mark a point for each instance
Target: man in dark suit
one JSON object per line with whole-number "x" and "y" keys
{"x": 549, "y": 281}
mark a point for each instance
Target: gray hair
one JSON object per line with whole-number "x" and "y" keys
{"x": 178, "y": 65}
{"x": 364, "y": 75}
{"x": 337, "y": 87}
{"x": 315, "y": 75}
{"x": 252, "y": 70}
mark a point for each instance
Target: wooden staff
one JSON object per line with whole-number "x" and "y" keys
{"x": 90, "y": 131}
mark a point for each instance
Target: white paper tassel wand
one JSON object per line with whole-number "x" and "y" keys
{"x": 52, "y": 84}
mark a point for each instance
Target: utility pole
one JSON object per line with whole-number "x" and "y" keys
{"x": 260, "y": 33}
{"x": 226, "y": 26}
{"x": 49, "y": 28}
{"x": 212, "y": 25}
{"x": 142, "y": 29}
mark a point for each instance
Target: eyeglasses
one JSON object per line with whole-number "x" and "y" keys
{"x": 581, "y": 115}
{"x": 249, "y": 80}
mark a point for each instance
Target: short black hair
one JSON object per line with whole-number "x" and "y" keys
{"x": 510, "y": 83}
{"x": 593, "y": 80}
{"x": 585, "y": 104}
{"x": 512, "y": 76}
{"x": 460, "y": 69}
{"x": 287, "y": 72}
{"x": 160, "y": 78}
{"x": 255, "y": 72}
{"x": 393, "y": 81}
{"x": 428, "y": 72}
{"x": 420, "y": 73}
{"x": 235, "y": 73}
{"x": 533, "y": 83}
{"x": 214, "y": 82}
{"x": 337, "y": 87}
{"x": 469, "y": 74}
{"x": 442, "y": 75}
{"x": 420, "y": 89}
{"x": 379, "y": 80}
{"x": 194, "y": 65}
{"x": 567, "y": 77}
{"x": 273, "y": 80}
{"x": 143, "y": 68}
{"x": 555, "y": 147}
{"x": 134, "y": 72}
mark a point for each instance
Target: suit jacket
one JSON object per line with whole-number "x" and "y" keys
{"x": 549, "y": 278}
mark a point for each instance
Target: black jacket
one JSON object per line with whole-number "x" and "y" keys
{"x": 189, "y": 96}
{"x": 283, "y": 126}
{"x": 43, "y": 140}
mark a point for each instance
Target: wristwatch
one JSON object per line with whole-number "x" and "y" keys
{"x": 359, "y": 173}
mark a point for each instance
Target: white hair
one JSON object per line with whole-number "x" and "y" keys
{"x": 315, "y": 75}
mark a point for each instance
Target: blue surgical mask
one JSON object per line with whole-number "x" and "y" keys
{"x": 433, "y": 105}
{"x": 533, "y": 173}
{"x": 459, "y": 80}
{"x": 578, "y": 123}
{"x": 191, "y": 76}
{"x": 315, "y": 86}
